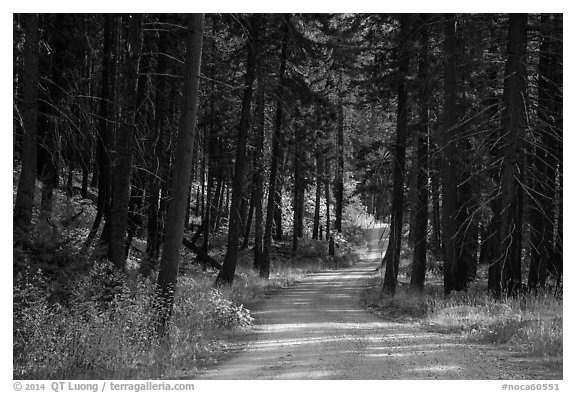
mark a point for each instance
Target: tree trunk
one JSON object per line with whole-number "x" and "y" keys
{"x": 219, "y": 204}
{"x": 412, "y": 194}
{"x": 392, "y": 258}
{"x": 319, "y": 173}
{"x": 113, "y": 129}
{"x": 247, "y": 203}
{"x": 339, "y": 181}
{"x": 248, "y": 225}
{"x": 216, "y": 204}
{"x": 274, "y": 161}
{"x": 50, "y": 117}
{"x": 298, "y": 204}
{"x": 435, "y": 193}
{"x": 279, "y": 233}
{"x": 557, "y": 80}
{"x": 207, "y": 214}
{"x": 135, "y": 203}
{"x": 159, "y": 160}
{"x": 125, "y": 141}
{"x": 545, "y": 161}
{"x": 418, "y": 275}
{"x": 449, "y": 159}
{"x": 182, "y": 165}
{"x": 514, "y": 128}
{"x": 143, "y": 121}
{"x": 226, "y": 275}
{"x": 104, "y": 137}
{"x": 327, "y": 197}
{"x": 26, "y": 183}
{"x": 201, "y": 191}
{"x": 259, "y": 168}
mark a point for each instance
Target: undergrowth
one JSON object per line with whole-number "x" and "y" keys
{"x": 105, "y": 328}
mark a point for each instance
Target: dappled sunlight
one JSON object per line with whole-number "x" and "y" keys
{"x": 437, "y": 369}
{"x": 421, "y": 347}
{"x": 317, "y": 330}
{"x": 317, "y": 327}
{"x": 389, "y": 354}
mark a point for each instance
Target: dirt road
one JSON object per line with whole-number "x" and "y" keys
{"x": 318, "y": 330}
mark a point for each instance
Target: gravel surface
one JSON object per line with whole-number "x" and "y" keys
{"x": 318, "y": 330}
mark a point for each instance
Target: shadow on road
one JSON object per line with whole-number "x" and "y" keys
{"x": 318, "y": 330}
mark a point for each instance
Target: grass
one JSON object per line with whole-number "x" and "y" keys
{"x": 531, "y": 324}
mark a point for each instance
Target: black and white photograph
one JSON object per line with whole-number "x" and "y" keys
{"x": 286, "y": 196}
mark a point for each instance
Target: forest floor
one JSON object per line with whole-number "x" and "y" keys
{"x": 318, "y": 329}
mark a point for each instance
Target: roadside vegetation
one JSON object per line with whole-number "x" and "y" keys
{"x": 529, "y": 323}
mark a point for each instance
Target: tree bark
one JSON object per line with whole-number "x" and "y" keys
{"x": 226, "y": 275}
{"x": 50, "y": 117}
{"x": 435, "y": 196}
{"x": 112, "y": 129}
{"x": 449, "y": 159}
{"x": 104, "y": 136}
{"x": 26, "y": 183}
{"x": 167, "y": 276}
{"x": 298, "y": 202}
{"x": 159, "y": 143}
{"x": 278, "y": 230}
{"x": 514, "y": 128}
{"x": 143, "y": 121}
{"x": 274, "y": 161}
{"x": 545, "y": 160}
{"x": 418, "y": 275}
{"x": 327, "y": 197}
{"x": 392, "y": 257}
{"x": 125, "y": 140}
{"x": 339, "y": 181}
{"x": 557, "y": 260}
{"x": 249, "y": 219}
{"x": 259, "y": 168}
{"x": 319, "y": 173}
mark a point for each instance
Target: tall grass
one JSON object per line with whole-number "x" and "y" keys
{"x": 529, "y": 323}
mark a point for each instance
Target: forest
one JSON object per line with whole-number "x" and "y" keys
{"x": 169, "y": 169}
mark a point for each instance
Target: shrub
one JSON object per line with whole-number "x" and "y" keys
{"x": 107, "y": 330}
